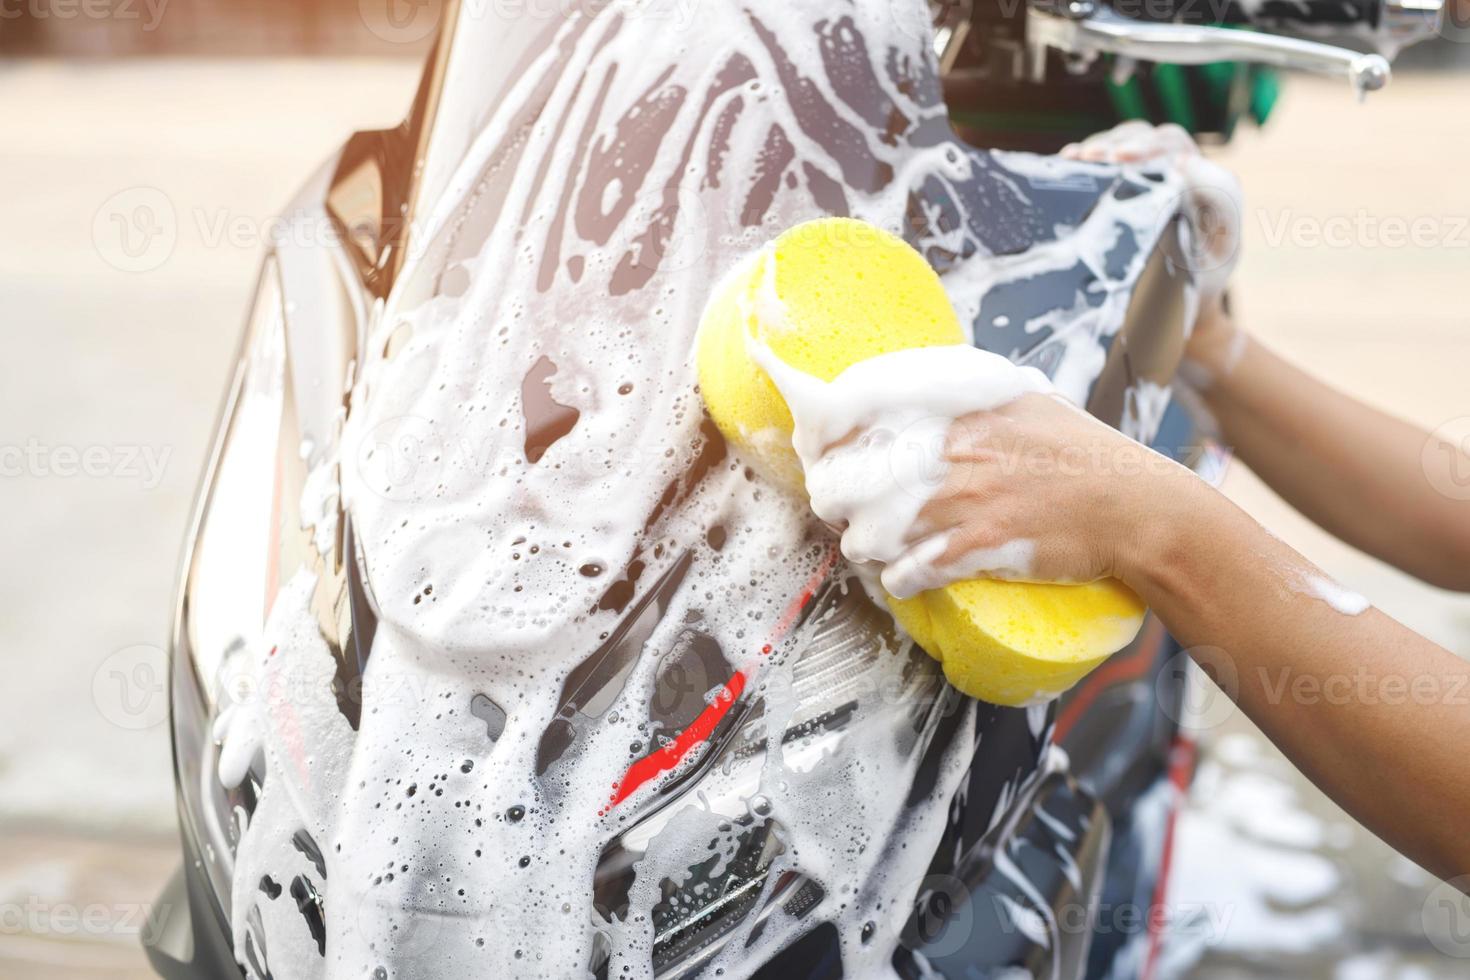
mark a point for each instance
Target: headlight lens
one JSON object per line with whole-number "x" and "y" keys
{"x": 229, "y": 580}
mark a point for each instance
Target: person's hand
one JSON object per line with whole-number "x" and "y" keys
{"x": 1036, "y": 490}
{"x": 1213, "y": 204}
{"x": 1134, "y": 141}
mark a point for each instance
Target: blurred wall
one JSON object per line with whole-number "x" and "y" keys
{"x": 110, "y": 28}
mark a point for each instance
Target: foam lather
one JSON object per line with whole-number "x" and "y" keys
{"x": 830, "y": 293}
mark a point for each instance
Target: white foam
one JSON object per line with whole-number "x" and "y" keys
{"x": 896, "y": 411}
{"x": 1213, "y": 197}
{"x": 1343, "y": 600}
{"x": 1250, "y": 869}
{"x": 472, "y": 554}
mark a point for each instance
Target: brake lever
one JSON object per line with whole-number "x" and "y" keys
{"x": 1086, "y": 29}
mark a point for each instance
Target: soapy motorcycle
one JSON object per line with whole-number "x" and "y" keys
{"x": 492, "y": 659}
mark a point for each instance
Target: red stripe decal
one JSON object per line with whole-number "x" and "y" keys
{"x": 1130, "y": 667}
{"x": 655, "y": 764}
{"x": 669, "y": 756}
{"x": 1181, "y": 770}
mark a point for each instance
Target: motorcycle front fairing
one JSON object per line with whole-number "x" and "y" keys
{"x": 539, "y": 237}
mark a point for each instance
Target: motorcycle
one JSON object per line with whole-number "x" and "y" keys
{"x": 491, "y": 659}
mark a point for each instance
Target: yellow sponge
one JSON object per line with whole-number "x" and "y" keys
{"x": 849, "y": 291}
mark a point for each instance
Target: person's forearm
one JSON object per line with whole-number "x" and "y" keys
{"x": 1355, "y": 471}
{"x": 1373, "y": 713}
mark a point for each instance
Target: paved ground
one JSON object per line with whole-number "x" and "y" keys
{"x": 133, "y": 362}
{"x": 130, "y": 361}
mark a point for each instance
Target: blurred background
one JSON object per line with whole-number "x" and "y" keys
{"x": 145, "y": 146}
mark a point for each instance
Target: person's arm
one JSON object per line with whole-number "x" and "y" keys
{"x": 1370, "y": 711}
{"x": 1376, "y": 715}
{"x": 1366, "y": 477}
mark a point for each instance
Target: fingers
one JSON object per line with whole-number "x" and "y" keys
{"x": 1134, "y": 141}
{"x": 916, "y": 570}
{"x": 873, "y": 487}
{"x": 952, "y": 557}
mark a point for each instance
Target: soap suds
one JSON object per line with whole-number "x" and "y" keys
{"x": 1212, "y": 194}
{"x": 1257, "y": 869}
{"x": 1344, "y": 600}
{"x": 895, "y": 412}
{"x": 588, "y": 208}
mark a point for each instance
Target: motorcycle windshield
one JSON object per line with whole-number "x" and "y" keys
{"x": 625, "y": 713}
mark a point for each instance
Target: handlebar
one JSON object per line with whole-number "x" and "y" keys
{"x": 1085, "y": 30}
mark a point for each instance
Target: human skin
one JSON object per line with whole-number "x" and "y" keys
{"x": 1368, "y": 478}
{"x": 1373, "y": 713}
{"x": 1370, "y": 711}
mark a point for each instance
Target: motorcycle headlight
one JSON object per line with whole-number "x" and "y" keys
{"x": 227, "y": 578}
